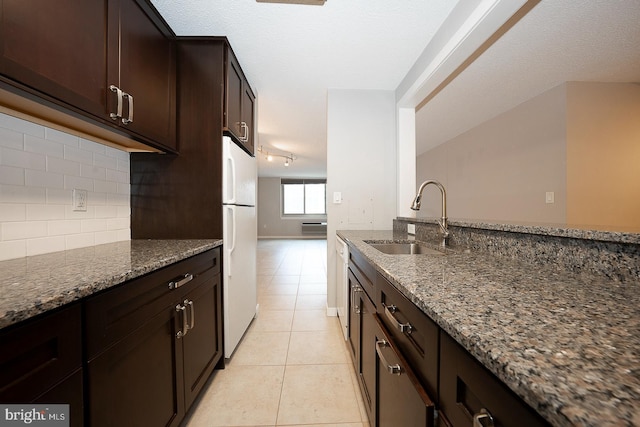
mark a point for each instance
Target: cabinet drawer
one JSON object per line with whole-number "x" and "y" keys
{"x": 467, "y": 388}
{"x": 117, "y": 312}
{"x": 364, "y": 272}
{"x": 402, "y": 401}
{"x": 38, "y": 354}
{"x": 414, "y": 332}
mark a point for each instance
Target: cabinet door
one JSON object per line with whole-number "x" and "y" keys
{"x": 138, "y": 381}
{"x": 233, "y": 97}
{"x": 467, "y": 389}
{"x": 248, "y": 101}
{"x": 202, "y": 345}
{"x": 57, "y": 48}
{"x": 146, "y": 71}
{"x": 38, "y": 354}
{"x": 354, "y": 316}
{"x": 367, "y": 373}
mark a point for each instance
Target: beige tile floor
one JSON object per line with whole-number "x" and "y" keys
{"x": 292, "y": 367}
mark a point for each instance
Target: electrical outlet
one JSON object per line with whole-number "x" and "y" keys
{"x": 411, "y": 229}
{"x": 549, "y": 197}
{"x": 80, "y": 200}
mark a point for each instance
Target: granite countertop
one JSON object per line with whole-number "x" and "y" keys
{"x": 567, "y": 344}
{"x": 36, "y": 284}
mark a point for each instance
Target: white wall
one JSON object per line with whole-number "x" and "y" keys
{"x": 501, "y": 169}
{"x": 39, "y": 168}
{"x": 361, "y": 164}
{"x": 271, "y": 224}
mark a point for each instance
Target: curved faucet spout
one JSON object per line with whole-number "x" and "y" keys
{"x": 417, "y": 202}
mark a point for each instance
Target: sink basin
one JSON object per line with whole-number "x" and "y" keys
{"x": 405, "y": 249}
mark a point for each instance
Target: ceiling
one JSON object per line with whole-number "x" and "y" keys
{"x": 557, "y": 41}
{"x": 292, "y": 54}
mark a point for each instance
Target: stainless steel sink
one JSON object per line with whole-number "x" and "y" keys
{"x": 405, "y": 248}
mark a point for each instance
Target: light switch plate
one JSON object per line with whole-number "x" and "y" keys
{"x": 337, "y": 197}
{"x": 549, "y": 197}
{"x": 411, "y": 229}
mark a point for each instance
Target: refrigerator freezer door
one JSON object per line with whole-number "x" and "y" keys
{"x": 239, "y": 273}
{"x": 239, "y": 172}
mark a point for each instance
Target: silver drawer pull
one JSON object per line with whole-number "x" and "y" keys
{"x": 181, "y": 280}
{"x": 392, "y": 369}
{"x": 483, "y": 419}
{"x": 192, "y": 314}
{"x": 181, "y": 309}
{"x": 354, "y": 291}
{"x": 405, "y": 328}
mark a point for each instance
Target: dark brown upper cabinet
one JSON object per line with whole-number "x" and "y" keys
{"x": 239, "y": 105}
{"x": 109, "y": 61}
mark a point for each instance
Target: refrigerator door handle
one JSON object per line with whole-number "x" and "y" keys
{"x": 231, "y": 222}
{"x": 231, "y": 179}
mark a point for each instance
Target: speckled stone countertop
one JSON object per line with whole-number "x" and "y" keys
{"x": 567, "y": 344}
{"x": 36, "y": 284}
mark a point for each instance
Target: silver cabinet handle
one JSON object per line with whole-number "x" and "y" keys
{"x": 483, "y": 419}
{"x": 354, "y": 290}
{"x": 192, "y": 314}
{"x": 181, "y": 280}
{"x": 181, "y": 309}
{"x": 130, "y": 118}
{"x": 245, "y": 132}
{"x": 392, "y": 369}
{"x": 402, "y": 327}
{"x": 118, "y": 112}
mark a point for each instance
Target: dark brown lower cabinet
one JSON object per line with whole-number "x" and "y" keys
{"x": 402, "y": 400}
{"x": 41, "y": 362}
{"x": 138, "y": 380}
{"x": 362, "y": 330}
{"x": 153, "y": 343}
{"x": 468, "y": 392}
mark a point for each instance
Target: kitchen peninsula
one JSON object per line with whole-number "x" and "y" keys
{"x": 564, "y": 342}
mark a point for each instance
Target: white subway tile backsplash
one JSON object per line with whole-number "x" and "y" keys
{"x": 42, "y": 212}
{"x": 45, "y": 245}
{"x": 22, "y": 159}
{"x": 13, "y": 212}
{"x": 62, "y": 137}
{"x": 11, "y": 175}
{"x": 21, "y": 194}
{"x": 66, "y": 167}
{"x": 73, "y": 241}
{"x": 91, "y": 146}
{"x": 106, "y": 237}
{"x": 34, "y": 144}
{"x": 93, "y": 172}
{"x": 11, "y": 139}
{"x": 64, "y": 227}
{"x": 37, "y": 178}
{"x": 71, "y": 182}
{"x": 78, "y": 155}
{"x": 93, "y": 225}
{"x": 23, "y": 230}
{"x": 22, "y": 126}
{"x": 107, "y": 162}
{"x": 39, "y": 168}
{"x": 100, "y": 186}
{"x": 13, "y": 249}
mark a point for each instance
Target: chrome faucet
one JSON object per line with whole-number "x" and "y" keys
{"x": 443, "y": 221}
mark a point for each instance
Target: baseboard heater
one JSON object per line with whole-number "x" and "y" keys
{"x": 314, "y": 228}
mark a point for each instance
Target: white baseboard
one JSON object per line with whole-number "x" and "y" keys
{"x": 332, "y": 311}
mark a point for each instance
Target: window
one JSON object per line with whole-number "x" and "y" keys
{"x": 304, "y": 196}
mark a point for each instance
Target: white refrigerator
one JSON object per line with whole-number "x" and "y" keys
{"x": 240, "y": 237}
